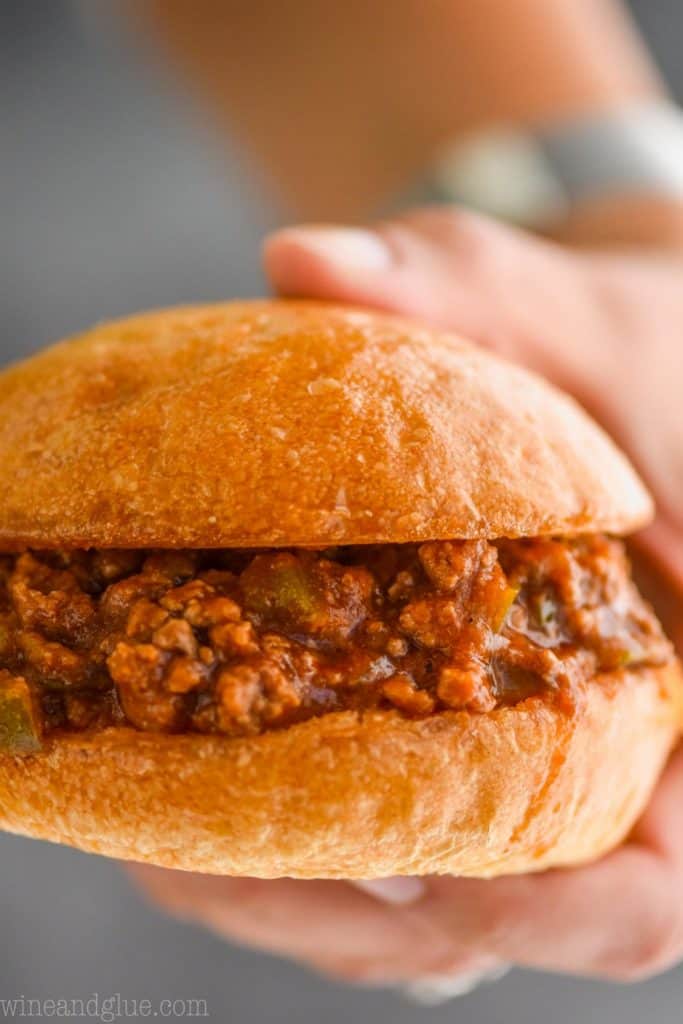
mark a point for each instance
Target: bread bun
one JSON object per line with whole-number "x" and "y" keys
{"x": 519, "y": 789}
{"x": 286, "y": 423}
{"x": 302, "y": 424}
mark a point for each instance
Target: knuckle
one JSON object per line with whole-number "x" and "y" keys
{"x": 473, "y": 238}
{"x": 449, "y": 222}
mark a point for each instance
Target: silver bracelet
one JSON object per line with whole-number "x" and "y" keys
{"x": 531, "y": 179}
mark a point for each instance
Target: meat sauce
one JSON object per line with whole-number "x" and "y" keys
{"x": 240, "y": 642}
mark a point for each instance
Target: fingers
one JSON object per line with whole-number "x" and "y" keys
{"x": 280, "y": 915}
{"x": 329, "y": 925}
{"x": 620, "y": 918}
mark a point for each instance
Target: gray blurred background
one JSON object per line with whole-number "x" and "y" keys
{"x": 116, "y": 196}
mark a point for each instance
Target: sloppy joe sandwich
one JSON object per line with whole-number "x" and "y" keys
{"x": 294, "y": 589}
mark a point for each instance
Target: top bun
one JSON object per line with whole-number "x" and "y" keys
{"x": 277, "y": 423}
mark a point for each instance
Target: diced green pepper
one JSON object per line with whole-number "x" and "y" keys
{"x": 281, "y": 588}
{"x": 19, "y": 721}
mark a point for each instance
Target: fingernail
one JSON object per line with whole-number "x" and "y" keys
{"x": 435, "y": 989}
{"x": 348, "y": 248}
{"x": 393, "y": 890}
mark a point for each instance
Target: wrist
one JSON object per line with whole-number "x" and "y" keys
{"x": 611, "y": 178}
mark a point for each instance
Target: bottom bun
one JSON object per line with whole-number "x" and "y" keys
{"x": 343, "y": 796}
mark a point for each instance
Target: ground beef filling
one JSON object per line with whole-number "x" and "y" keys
{"x": 238, "y": 643}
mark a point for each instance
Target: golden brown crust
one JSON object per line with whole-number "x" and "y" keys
{"x": 275, "y": 423}
{"x": 515, "y": 790}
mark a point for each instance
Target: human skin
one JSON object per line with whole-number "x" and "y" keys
{"x": 606, "y": 325}
{"x": 341, "y": 106}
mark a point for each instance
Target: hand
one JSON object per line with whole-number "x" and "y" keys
{"x": 606, "y": 327}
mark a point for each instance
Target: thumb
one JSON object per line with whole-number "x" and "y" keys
{"x": 454, "y": 269}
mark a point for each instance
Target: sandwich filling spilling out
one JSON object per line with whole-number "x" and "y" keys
{"x": 240, "y": 642}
